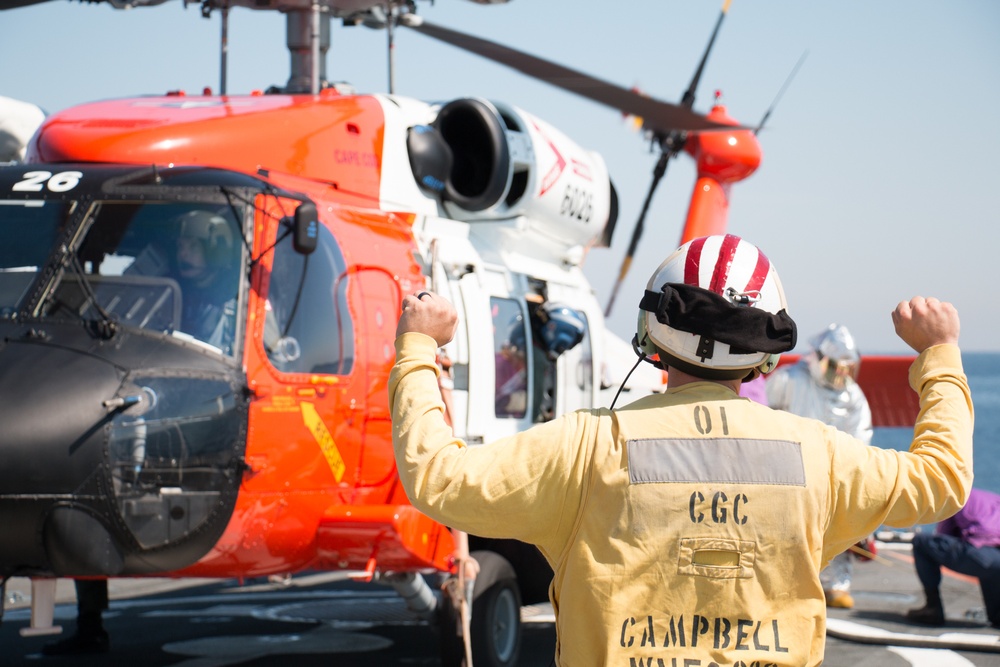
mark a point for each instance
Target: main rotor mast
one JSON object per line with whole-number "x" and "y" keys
{"x": 308, "y": 39}
{"x": 307, "y": 32}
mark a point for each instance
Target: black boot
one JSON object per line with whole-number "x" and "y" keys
{"x": 90, "y": 637}
{"x": 931, "y": 613}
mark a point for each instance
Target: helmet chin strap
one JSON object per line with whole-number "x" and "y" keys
{"x": 645, "y": 348}
{"x": 642, "y": 357}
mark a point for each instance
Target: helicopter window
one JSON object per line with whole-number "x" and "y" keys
{"x": 28, "y": 231}
{"x": 171, "y": 267}
{"x": 510, "y": 340}
{"x": 308, "y": 327}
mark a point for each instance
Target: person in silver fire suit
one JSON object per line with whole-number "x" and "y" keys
{"x": 823, "y": 385}
{"x": 689, "y": 526}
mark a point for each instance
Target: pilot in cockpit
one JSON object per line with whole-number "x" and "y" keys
{"x": 206, "y": 270}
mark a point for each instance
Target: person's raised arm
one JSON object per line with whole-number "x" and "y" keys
{"x": 492, "y": 490}
{"x": 938, "y": 467}
{"x": 922, "y": 323}
{"x": 428, "y": 314}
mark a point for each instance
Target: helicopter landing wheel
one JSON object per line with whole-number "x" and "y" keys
{"x": 496, "y": 617}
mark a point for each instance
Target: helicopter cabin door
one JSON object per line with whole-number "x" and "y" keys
{"x": 493, "y": 323}
{"x": 513, "y": 378}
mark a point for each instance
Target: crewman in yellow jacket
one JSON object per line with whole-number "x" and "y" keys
{"x": 690, "y": 527}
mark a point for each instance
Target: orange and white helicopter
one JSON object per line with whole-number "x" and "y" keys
{"x": 234, "y": 423}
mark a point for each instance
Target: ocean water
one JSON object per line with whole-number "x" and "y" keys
{"x": 983, "y": 370}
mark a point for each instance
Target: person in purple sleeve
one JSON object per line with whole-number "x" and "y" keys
{"x": 968, "y": 543}
{"x": 755, "y": 390}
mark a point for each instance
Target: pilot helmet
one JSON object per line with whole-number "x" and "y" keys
{"x": 834, "y": 360}
{"x": 562, "y": 328}
{"x": 715, "y": 309}
{"x": 214, "y": 233}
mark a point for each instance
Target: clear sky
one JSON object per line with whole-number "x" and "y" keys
{"x": 879, "y": 174}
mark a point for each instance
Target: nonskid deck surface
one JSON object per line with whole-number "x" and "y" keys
{"x": 313, "y": 616}
{"x": 886, "y": 587}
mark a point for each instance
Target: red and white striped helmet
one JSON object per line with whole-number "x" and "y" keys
{"x": 715, "y": 308}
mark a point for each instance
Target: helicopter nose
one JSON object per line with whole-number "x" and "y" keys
{"x": 54, "y": 435}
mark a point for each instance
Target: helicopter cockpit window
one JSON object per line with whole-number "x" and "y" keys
{"x": 169, "y": 267}
{"x": 28, "y": 231}
{"x": 308, "y": 327}
{"x": 511, "y": 340}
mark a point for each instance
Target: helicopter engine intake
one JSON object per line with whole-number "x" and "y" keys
{"x": 492, "y": 162}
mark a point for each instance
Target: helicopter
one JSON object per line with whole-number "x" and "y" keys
{"x": 262, "y": 445}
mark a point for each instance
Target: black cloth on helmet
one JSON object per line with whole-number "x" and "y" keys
{"x": 699, "y": 311}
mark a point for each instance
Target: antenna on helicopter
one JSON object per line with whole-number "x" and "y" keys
{"x": 386, "y": 16}
{"x": 206, "y": 12}
{"x": 314, "y": 46}
{"x": 671, "y": 143}
{"x": 224, "y": 49}
{"x": 390, "y": 21}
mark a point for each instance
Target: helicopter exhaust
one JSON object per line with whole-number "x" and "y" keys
{"x": 415, "y": 591}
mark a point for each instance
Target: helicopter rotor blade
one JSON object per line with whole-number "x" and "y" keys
{"x": 657, "y": 115}
{"x": 14, "y": 4}
{"x": 687, "y": 100}
{"x": 658, "y": 171}
{"x": 671, "y": 143}
{"x": 781, "y": 91}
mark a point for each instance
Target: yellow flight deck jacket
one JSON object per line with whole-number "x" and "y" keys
{"x": 687, "y": 528}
